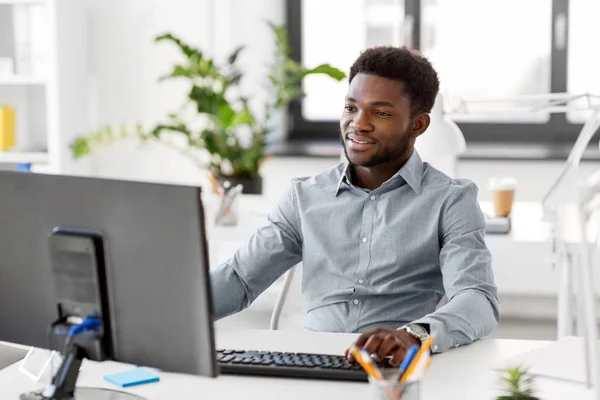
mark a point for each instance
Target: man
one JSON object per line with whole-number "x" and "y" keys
{"x": 383, "y": 237}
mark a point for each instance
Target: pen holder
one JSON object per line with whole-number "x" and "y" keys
{"x": 392, "y": 389}
{"x": 227, "y": 213}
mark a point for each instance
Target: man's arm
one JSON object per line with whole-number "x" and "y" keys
{"x": 270, "y": 252}
{"x": 472, "y": 310}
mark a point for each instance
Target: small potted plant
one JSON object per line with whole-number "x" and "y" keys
{"x": 229, "y": 132}
{"x": 517, "y": 385}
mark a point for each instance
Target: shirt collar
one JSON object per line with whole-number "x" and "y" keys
{"x": 411, "y": 172}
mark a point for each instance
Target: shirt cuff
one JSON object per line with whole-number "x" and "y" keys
{"x": 440, "y": 341}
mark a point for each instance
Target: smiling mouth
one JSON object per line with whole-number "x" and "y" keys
{"x": 354, "y": 138}
{"x": 355, "y": 144}
{"x": 360, "y": 141}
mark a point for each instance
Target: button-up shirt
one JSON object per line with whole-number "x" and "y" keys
{"x": 412, "y": 250}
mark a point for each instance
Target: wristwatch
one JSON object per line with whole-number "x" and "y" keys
{"x": 416, "y": 331}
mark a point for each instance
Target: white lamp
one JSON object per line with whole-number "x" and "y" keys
{"x": 443, "y": 142}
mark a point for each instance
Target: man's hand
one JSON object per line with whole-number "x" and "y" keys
{"x": 385, "y": 342}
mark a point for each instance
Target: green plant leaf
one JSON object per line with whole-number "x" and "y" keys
{"x": 208, "y": 101}
{"x": 178, "y": 71}
{"x": 226, "y": 115}
{"x": 80, "y": 147}
{"x": 186, "y": 49}
{"x": 244, "y": 117}
{"x": 234, "y": 78}
{"x": 234, "y": 56}
{"x": 282, "y": 42}
{"x": 160, "y": 128}
{"x": 326, "y": 69}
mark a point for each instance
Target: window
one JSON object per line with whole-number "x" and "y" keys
{"x": 584, "y": 60}
{"x": 481, "y": 49}
{"x": 338, "y": 41}
{"x": 501, "y": 54}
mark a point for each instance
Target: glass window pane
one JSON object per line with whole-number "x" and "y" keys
{"x": 584, "y": 59}
{"x": 334, "y": 32}
{"x": 488, "y": 50}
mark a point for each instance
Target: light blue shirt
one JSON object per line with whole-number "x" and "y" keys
{"x": 380, "y": 258}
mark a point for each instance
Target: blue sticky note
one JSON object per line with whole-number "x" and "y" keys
{"x": 137, "y": 376}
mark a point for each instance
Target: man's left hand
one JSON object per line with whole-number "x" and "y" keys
{"x": 385, "y": 342}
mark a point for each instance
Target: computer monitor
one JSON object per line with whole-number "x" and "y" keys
{"x": 156, "y": 265}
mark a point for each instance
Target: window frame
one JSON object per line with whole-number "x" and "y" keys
{"x": 557, "y": 131}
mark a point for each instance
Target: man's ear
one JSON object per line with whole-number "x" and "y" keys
{"x": 420, "y": 124}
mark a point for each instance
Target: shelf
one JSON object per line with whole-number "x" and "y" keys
{"x": 23, "y": 2}
{"x": 14, "y": 157}
{"x": 20, "y": 79}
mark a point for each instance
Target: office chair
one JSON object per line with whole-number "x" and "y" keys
{"x": 276, "y": 314}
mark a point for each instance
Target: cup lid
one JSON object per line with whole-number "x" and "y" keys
{"x": 503, "y": 183}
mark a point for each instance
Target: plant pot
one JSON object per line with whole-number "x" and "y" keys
{"x": 251, "y": 186}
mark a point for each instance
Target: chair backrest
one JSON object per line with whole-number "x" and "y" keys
{"x": 287, "y": 283}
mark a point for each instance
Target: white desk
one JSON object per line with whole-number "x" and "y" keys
{"x": 464, "y": 373}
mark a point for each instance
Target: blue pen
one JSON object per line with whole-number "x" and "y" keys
{"x": 410, "y": 355}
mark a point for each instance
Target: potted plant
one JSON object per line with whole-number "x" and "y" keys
{"x": 517, "y": 385}
{"x": 228, "y": 131}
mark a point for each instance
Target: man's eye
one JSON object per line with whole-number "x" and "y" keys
{"x": 383, "y": 114}
{"x": 349, "y": 108}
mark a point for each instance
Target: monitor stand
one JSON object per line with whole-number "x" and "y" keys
{"x": 85, "y": 393}
{"x": 63, "y": 385}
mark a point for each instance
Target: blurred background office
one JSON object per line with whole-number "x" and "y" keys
{"x": 71, "y": 68}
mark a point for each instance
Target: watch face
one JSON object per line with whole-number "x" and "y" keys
{"x": 418, "y": 331}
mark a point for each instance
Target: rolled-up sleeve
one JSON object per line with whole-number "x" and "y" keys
{"x": 271, "y": 251}
{"x": 472, "y": 310}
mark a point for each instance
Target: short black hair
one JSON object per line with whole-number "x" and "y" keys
{"x": 402, "y": 64}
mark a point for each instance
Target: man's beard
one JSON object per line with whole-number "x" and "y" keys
{"x": 385, "y": 155}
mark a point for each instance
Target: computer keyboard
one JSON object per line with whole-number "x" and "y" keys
{"x": 289, "y": 365}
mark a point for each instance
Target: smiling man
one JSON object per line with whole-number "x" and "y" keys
{"x": 384, "y": 237}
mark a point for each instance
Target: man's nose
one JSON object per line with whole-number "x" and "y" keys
{"x": 361, "y": 122}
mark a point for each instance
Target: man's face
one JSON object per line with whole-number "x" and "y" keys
{"x": 376, "y": 127}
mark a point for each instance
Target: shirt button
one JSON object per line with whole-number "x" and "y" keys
{"x": 356, "y": 302}
{"x": 455, "y": 346}
{"x": 361, "y": 281}
{"x": 365, "y": 240}
{"x": 435, "y": 348}
{"x": 373, "y": 197}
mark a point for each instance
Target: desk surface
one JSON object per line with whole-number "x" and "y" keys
{"x": 464, "y": 373}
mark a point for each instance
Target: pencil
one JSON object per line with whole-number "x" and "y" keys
{"x": 365, "y": 361}
{"x": 424, "y": 348}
